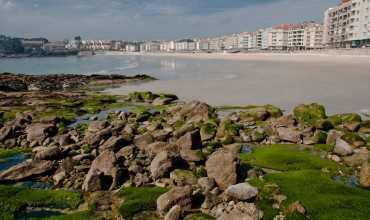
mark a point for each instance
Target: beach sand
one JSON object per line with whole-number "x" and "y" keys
{"x": 342, "y": 83}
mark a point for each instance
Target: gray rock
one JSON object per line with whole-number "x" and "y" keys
{"x": 174, "y": 213}
{"x": 38, "y": 132}
{"x": 342, "y": 148}
{"x": 222, "y": 167}
{"x": 161, "y": 164}
{"x": 48, "y": 153}
{"x": 365, "y": 175}
{"x": 180, "y": 196}
{"x": 102, "y": 174}
{"x": 242, "y": 191}
{"x": 25, "y": 170}
{"x": 206, "y": 184}
{"x": 190, "y": 140}
{"x": 113, "y": 143}
{"x": 142, "y": 141}
{"x": 289, "y": 134}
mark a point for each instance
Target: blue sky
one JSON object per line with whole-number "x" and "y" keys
{"x": 150, "y": 19}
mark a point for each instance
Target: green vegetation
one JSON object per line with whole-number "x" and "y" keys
{"x": 199, "y": 216}
{"x": 309, "y": 113}
{"x": 322, "y": 197}
{"x": 287, "y": 157}
{"x": 4, "y": 153}
{"x": 271, "y": 109}
{"x": 138, "y": 199}
{"x": 13, "y": 199}
{"x": 325, "y": 147}
{"x": 142, "y": 96}
{"x": 344, "y": 118}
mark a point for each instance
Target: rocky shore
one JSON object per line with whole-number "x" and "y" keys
{"x": 155, "y": 157}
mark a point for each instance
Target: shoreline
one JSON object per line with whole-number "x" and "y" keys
{"x": 251, "y": 56}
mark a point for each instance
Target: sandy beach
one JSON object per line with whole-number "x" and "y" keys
{"x": 339, "y": 82}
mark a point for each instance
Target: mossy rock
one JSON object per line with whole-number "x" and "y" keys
{"x": 83, "y": 215}
{"x": 309, "y": 113}
{"x": 323, "y": 124}
{"x": 260, "y": 113}
{"x": 339, "y": 119}
{"x": 354, "y": 139}
{"x": 208, "y": 130}
{"x": 139, "y": 199}
{"x": 228, "y": 128}
{"x": 10, "y": 152}
{"x": 183, "y": 177}
{"x": 142, "y": 96}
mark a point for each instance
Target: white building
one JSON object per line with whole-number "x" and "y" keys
{"x": 231, "y": 42}
{"x": 348, "y": 24}
{"x": 185, "y": 45}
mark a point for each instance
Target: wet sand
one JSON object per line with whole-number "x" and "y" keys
{"x": 341, "y": 83}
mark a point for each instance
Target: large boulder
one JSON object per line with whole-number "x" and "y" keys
{"x": 113, "y": 143}
{"x": 103, "y": 173}
{"x": 154, "y": 148}
{"x": 190, "y": 140}
{"x": 310, "y": 113}
{"x": 162, "y": 164}
{"x": 27, "y": 169}
{"x": 242, "y": 191}
{"x": 95, "y": 138}
{"x": 289, "y": 134}
{"x": 6, "y": 132}
{"x": 180, "y": 196}
{"x": 194, "y": 112}
{"x": 238, "y": 211}
{"x": 38, "y": 132}
{"x": 222, "y": 167}
{"x": 142, "y": 141}
{"x": 48, "y": 153}
{"x": 342, "y": 148}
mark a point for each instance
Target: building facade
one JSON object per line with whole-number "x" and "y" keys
{"x": 348, "y": 24}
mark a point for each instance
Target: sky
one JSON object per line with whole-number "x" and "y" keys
{"x": 150, "y": 19}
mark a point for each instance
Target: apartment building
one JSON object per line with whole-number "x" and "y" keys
{"x": 185, "y": 45}
{"x": 278, "y": 38}
{"x": 231, "y": 42}
{"x": 348, "y": 24}
{"x": 313, "y": 36}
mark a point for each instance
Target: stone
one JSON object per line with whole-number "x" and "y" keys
{"x": 206, "y": 184}
{"x": 161, "y": 164}
{"x": 5, "y": 133}
{"x": 190, "y": 140}
{"x": 27, "y": 169}
{"x": 96, "y": 126}
{"x": 162, "y": 101}
{"x": 365, "y": 175}
{"x": 65, "y": 140}
{"x": 359, "y": 157}
{"x": 174, "y": 213}
{"x": 208, "y": 131}
{"x": 102, "y": 174}
{"x": 239, "y": 211}
{"x": 126, "y": 152}
{"x": 142, "y": 141}
{"x": 180, "y": 196}
{"x": 38, "y": 132}
{"x": 192, "y": 155}
{"x": 154, "y": 148}
{"x": 48, "y": 153}
{"x": 342, "y": 148}
{"x": 113, "y": 143}
{"x": 333, "y": 135}
{"x": 296, "y": 207}
{"x": 95, "y": 138}
{"x": 289, "y": 134}
{"x": 254, "y": 114}
{"x": 309, "y": 113}
{"x": 194, "y": 112}
{"x": 183, "y": 177}
{"x": 242, "y": 191}
{"x": 58, "y": 177}
{"x": 234, "y": 148}
{"x": 352, "y": 126}
{"x": 222, "y": 167}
